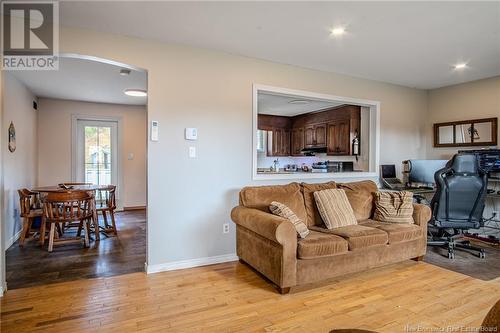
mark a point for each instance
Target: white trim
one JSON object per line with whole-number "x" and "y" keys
{"x": 373, "y": 156}
{"x": 74, "y": 150}
{"x": 190, "y": 263}
{"x": 13, "y": 239}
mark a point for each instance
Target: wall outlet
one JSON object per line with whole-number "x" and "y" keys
{"x": 225, "y": 228}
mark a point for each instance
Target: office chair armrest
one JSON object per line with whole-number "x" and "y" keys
{"x": 421, "y": 214}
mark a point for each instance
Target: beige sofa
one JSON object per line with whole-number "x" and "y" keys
{"x": 269, "y": 243}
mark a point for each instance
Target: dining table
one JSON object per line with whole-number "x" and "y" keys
{"x": 81, "y": 187}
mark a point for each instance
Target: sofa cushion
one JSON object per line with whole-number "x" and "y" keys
{"x": 358, "y": 236}
{"x": 277, "y": 208}
{"x": 334, "y": 208}
{"x": 397, "y": 232}
{"x": 260, "y": 197}
{"x": 318, "y": 244}
{"x": 313, "y": 216}
{"x": 394, "y": 207}
{"x": 360, "y": 195}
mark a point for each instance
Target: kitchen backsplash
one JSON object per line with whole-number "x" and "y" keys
{"x": 265, "y": 162}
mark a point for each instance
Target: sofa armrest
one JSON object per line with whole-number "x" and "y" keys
{"x": 421, "y": 214}
{"x": 269, "y": 226}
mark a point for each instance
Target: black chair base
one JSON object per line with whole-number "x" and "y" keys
{"x": 452, "y": 243}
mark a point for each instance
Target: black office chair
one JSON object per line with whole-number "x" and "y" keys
{"x": 458, "y": 203}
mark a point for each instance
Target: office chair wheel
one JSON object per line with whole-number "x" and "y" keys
{"x": 451, "y": 255}
{"x": 482, "y": 255}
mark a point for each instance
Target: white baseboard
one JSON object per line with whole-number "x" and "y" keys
{"x": 13, "y": 239}
{"x": 182, "y": 264}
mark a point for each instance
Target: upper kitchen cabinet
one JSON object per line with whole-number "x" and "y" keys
{"x": 342, "y": 132}
{"x": 338, "y": 137}
{"x": 278, "y": 142}
{"x": 277, "y": 129}
{"x": 297, "y": 141}
{"x": 315, "y": 136}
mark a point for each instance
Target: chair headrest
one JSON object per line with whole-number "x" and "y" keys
{"x": 464, "y": 163}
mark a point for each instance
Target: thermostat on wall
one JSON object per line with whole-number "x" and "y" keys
{"x": 154, "y": 130}
{"x": 191, "y": 134}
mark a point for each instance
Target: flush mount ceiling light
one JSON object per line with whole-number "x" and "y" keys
{"x": 124, "y": 72}
{"x": 299, "y": 101}
{"x": 337, "y": 31}
{"x": 460, "y": 66}
{"x": 136, "y": 92}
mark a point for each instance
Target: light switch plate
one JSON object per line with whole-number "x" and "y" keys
{"x": 191, "y": 133}
{"x": 154, "y": 130}
{"x": 192, "y": 152}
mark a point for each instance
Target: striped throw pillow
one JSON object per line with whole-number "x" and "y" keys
{"x": 394, "y": 207}
{"x": 277, "y": 208}
{"x": 334, "y": 208}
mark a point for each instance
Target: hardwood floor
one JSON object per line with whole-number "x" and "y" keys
{"x": 232, "y": 297}
{"x": 32, "y": 265}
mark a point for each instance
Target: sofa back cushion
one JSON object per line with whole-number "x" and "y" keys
{"x": 360, "y": 196}
{"x": 334, "y": 208}
{"x": 260, "y": 197}
{"x": 313, "y": 216}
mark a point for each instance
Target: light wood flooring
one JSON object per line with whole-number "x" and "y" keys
{"x": 232, "y": 297}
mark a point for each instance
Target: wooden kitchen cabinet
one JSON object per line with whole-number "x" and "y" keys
{"x": 315, "y": 135}
{"x": 339, "y": 137}
{"x": 297, "y": 141}
{"x": 278, "y": 142}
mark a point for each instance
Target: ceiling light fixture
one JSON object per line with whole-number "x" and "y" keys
{"x": 460, "y": 66}
{"x": 299, "y": 101}
{"x": 124, "y": 72}
{"x": 339, "y": 31}
{"x": 136, "y": 92}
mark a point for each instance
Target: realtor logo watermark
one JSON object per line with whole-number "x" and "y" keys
{"x": 30, "y": 35}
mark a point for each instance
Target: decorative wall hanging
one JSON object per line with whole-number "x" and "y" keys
{"x": 12, "y": 137}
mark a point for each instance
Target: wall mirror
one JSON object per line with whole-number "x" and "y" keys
{"x": 477, "y": 132}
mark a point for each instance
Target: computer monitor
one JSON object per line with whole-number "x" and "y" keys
{"x": 422, "y": 171}
{"x": 388, "y": 171}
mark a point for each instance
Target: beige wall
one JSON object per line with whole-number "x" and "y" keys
{"x": 190, "y": 199}
{"x": 55, "y": 137}
{"x": 19, "y": 167}
{"x": 472, "y": 100}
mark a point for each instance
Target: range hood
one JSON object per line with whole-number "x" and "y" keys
{"x": 313, "y": 151}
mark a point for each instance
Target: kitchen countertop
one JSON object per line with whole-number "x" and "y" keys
{"x": 284, "y": 172}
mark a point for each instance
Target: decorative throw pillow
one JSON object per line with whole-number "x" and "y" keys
{"x": 394, "y": 207}
{"x": 282, "y": 210}
{"x": 334, "y": 208}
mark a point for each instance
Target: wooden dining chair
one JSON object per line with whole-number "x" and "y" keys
{"x": 106, "y": 203}
{"x": 29, "y": 210}
{"x": 67, "y": 207}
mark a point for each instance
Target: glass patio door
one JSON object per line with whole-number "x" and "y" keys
{"x": 96, "y": 152}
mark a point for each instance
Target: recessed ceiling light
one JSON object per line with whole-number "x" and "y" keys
{"x": 136, "y": 92}
{"x": 338, "y": 31}
{"x": 460, "y": 65}
{"x": 299, "y": 101}
{"x": 124, "y": 72}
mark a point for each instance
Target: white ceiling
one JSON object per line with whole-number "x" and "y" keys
{"x": 85, "y": 80}
{"x": 409, "y": 43}
{"x": 279, "y": 105}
